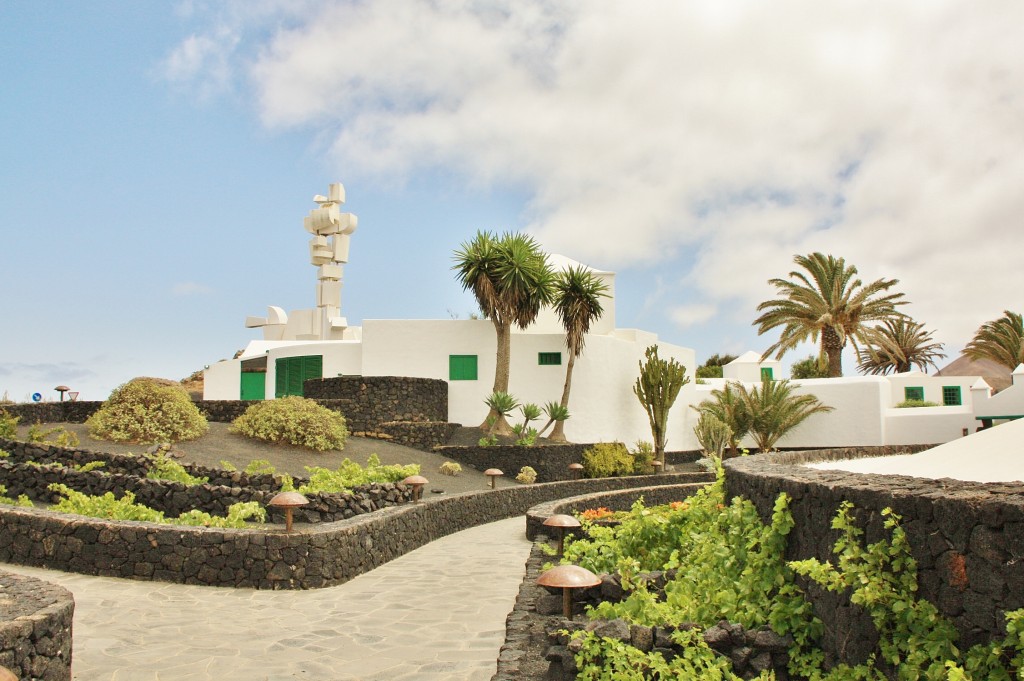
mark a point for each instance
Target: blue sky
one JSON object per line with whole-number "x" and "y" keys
{"x": 158, "y": 158}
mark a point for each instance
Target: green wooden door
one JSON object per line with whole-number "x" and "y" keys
{"x": 254, "y": 385}
{"x": 292, "y": 372}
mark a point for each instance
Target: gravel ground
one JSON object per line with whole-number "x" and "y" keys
{"x": 220, "y": 445}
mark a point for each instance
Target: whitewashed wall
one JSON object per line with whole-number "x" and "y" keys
{"x": 927, "y": 425}
{"x": 222, "y": 381}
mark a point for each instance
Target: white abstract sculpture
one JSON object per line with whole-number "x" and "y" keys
{"x": 328, "y": 251}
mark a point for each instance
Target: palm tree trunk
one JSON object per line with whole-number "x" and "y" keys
{"x": 495, "y": 422}
{"x": 558, "y": 434}
{"x": 832, "y": 344}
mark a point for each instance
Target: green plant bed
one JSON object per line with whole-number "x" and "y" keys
{"x": 728, "y": 565}
{"x": 295, "y": 421}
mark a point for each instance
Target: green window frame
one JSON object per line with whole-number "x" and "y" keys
{"x": 767, "y": 374}
{"x": 951, "y": 396}
{"x": 547, "y": 359}
{"x": 462, "y": 368}
{"x": 913, "y": 392}
{"x": 292, "y": 372}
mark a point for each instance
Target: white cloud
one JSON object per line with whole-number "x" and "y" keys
{"x": 691, "y": 315}
{"x": 190, "y": 288}
{"x": 889, "y": 134}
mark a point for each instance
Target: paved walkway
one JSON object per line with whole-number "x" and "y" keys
{"x": 437, "y": 613}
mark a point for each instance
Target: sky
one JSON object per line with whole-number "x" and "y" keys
{"x": 157, "y": 159}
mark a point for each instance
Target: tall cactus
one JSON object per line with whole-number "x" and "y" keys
{"x": 657, "y": 388}
{"x": 713, "y": 435}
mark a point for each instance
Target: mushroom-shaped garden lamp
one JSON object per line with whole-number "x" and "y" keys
{"x": 567, "y": 578}
{"x": 289, "y": 501}
{"x": 7, "y": 675}
{"x": 62, "y": 389}
{"x": 493, "y": 474}
{"x": 416, "y": 482}
{"x": 563, "y": 522}
{"x": 657, "y": 466}
{"x": 576, "y": 470}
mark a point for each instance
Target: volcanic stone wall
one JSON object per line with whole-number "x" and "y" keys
{"x": 967, "y": 538}
{"x": 550, "y": 461}
{"x": 52, "y": 412}
{"x": 35, "y": 628}
{"x": 313, "y": 556}
{"x": 371, "y": 400}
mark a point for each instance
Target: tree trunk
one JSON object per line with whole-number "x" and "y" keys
{"x": 832, "y": 344}
{"x": 558, "y": 434}
{"x": 494, "y": 422}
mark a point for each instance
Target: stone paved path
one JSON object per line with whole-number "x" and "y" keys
{"x": 435, "y": 614}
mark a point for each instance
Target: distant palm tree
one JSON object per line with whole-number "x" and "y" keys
{"x": 826, "y": 302}
{"x": 774, "y": 411}
{"x": 1001, "y": 340}
{"x": 577, "y": 293}
{"x": 897, "y": 346}
{"x": 511, "y": 280}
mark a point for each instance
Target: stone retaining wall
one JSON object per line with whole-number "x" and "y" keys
{"x": 967, "y": 538}
{"x": 35, "y": 628}
{"x": 376, "y": 399}
{"x": 52, "y": 412}
{"x": 313, "y": 556}
{"x": 422, "y": 435}
{"x": 550, "y": 461}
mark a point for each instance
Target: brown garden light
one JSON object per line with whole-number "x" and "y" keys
{"x": 563, "y": 522}
{"x": 7, "y": 675}
{"x": 567, "y": 578}
{"x": 62, "y": 389}
{"x": 493, "y": 474}
{"x": 576, "y": 470}
{"x": 657, "y": 466}
{"x": 416, "y": 482}
{"x": 289, "y": 501}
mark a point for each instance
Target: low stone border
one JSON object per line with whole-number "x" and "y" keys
{"x": 967, "y": 537}
{"x": 35, "y": 628}
{"x": 313, "y": 556}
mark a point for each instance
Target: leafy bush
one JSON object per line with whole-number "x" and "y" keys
{"x": 525, "y": 436}
{"x": 8, "y": 425}
{"x": 488, "y": 441}
{"x": 260, "y": 467}
{"x": 91, "y": 466}
{"x": 607, "y": 459}
{"x": 293, "y": 420}
{"x": 125, "y": 508}
{"x": 450, "y": 468}
{"x": 165, "y": 468}
{"x": 527, "y": 475}
{"x": 912, "y": 404}
{"x": 643, "y": 457}
{"x": 147, "y": 411}
{"x": 58, "y": 435}
{"x": 350, "y": 474}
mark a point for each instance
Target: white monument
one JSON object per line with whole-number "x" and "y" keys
{"x": 328, "y": 251}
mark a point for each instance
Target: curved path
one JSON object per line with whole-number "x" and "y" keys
{"x": 437, "y": 613}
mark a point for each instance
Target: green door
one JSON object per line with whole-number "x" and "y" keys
{"x": 292, "y": 372}
{"x": 254, "y": 385}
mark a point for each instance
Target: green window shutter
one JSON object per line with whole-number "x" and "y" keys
{"x": 766, "y": 374}
{"x": 549, "y": 358}
{"x": 913, "y": 393}
{"x": 951, "y": 395}
{"x": 461, "y": 367}
{"x": 292, "y": 372}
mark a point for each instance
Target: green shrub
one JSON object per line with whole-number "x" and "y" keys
{"x": 22, "y": 500}
{"x": 147, "y": 411}
{"x": 643, "y": 457}
{"x": 527, "y": 475}
{"x": 165, "y": 468}
{"x": 8, "y": 425}
{"x": 293, "y": 420}
{"x": 350, "y": 474}
{"x": 260, "y": 467}
{"x": 911, "y": 404}
{"x": 91, "y": 466}
{"x": 125, "y": 508}
{"x": 607, "y": 459}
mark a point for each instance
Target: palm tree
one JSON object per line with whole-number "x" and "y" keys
{"x": 727, "y": 406}
{"x": 774, "y": 411}
{"x": 511, "y": 280}
{"x": 831, "y": 304}
{"x": 897, "y": 346}
{"x": 1001, "y": 340}
{"x": 577, "y": 294}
